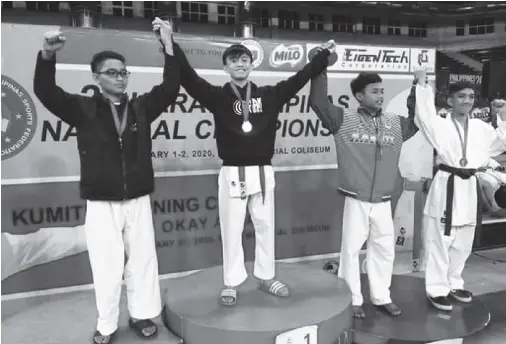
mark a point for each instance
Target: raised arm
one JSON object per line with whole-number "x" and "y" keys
{"x": 286, "y": 89}
{"x": 430, "y": 124}
{"x": 330, "y": 114}
{"x": 161, "y": 96}
{"x": 201, "y": 90}
{"x": 62, "y": 104}
{"x": 408, "y": 125}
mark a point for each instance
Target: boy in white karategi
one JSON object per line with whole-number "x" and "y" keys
{"x": 463, "y": 146}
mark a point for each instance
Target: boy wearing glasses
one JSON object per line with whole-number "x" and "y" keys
{"x": 117, "y": 177}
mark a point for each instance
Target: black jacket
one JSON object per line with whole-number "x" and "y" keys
{"x": 235, "y": 147}
{"x": 110, "y": 170}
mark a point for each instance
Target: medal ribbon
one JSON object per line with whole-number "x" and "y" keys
{"x": 245, "y": 103}
{"x": 463, "y": 142}
{"x": 120, "y": 127}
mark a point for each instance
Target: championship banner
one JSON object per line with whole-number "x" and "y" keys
{"x": 43, "y": 243}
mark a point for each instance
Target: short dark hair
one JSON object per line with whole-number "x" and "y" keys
{"x": 236, "y": 51}
{"x": 100, "y": 57}
{"x": 459, "y": 86}
{"x": 362, "y": 80}
{"x": 497, "y": 95}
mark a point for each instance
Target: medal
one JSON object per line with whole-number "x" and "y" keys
{"x": 246, "y": 125}
{"x": 463, "y": 142}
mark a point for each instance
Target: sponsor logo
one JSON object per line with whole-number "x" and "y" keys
{"x": 257, "y": 51}
{"x": 282, "y": 54}
{"x": 423, "y": 57}
{"x": 381, "y": 59}
{"x": 472, "y": 78}
{"x": 19, "y": 118}
{"x": 483, "y": 114}
{"x": 379, "y": 56}
{"x": 255, "y": 106}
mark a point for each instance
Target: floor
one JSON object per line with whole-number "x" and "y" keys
{"x": 485, "y": 275}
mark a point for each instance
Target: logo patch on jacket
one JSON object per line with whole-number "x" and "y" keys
{"x": 362, "y": 136}
{"x": 255, "y": 106}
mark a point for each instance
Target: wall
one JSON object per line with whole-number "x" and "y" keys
{"x": 441, "y": 29}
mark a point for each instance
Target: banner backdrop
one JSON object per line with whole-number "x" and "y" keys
{"x": 42, "y": 234}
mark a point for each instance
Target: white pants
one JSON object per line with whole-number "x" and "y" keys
{"x": 232, "y": 215}
{"x": 446, "y": 256}
{"x": 113, "y": 228}
{"x": 372, "y": 222}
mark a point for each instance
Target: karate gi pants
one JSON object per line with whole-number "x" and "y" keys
{"x": 446, "y": 256}
{"x": 372, "y": 222}
{"x": 113, "y": 228}
{"x": 232, "y": 212}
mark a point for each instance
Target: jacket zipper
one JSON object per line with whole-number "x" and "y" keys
{"x": 375, "y": 165}
{"x": 123, "y": 169}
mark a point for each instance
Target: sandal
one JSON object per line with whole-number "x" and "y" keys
{"x": 390, "y": 308}
{"x": 98, "y": 338}
{"x": 275, "y": 288}
{"x": 139, "y": 326}
{"x": 228, "y": 297}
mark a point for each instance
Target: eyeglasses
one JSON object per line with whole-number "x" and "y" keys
{"x": 113, "y": 73}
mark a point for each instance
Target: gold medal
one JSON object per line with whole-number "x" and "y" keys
{"x": 246, "y": 127}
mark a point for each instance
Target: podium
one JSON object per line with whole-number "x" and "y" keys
{"x": 192, "y": 310}
{"x": 419, "y": 322}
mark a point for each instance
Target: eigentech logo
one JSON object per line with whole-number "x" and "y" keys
{"x": 292, "y": 55}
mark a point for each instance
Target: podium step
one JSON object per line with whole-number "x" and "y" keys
{"x": 192, "y": 310}
{"x": 419, "y": 322}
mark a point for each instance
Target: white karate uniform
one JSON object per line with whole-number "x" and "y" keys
{"x": 113, "y": 228}
{"x": 372, "y": 222}
{"x": 232, "y": 210}
{"x": 446, "y": 255}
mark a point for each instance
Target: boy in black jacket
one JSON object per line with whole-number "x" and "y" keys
{"x": 114, "y": 143}
{"x": 245, "y": 117}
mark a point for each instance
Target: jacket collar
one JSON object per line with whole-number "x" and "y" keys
{"x": 363, "y": 111}
{"x": 242, "y": 89}
{"x": 123, "y": 98}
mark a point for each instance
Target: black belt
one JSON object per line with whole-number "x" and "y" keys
{"x": 464, "y": 173}
{"x": 242, "y": 181}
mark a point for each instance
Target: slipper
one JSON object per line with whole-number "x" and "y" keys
{"x": 228, "y": 297}
{"x": 358, "y": 312}
{"x": 140, "y": 325}
{"x": 391, "y": 308}
{"x": 110, "y": 337}
{"x": 275, "y": 288}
